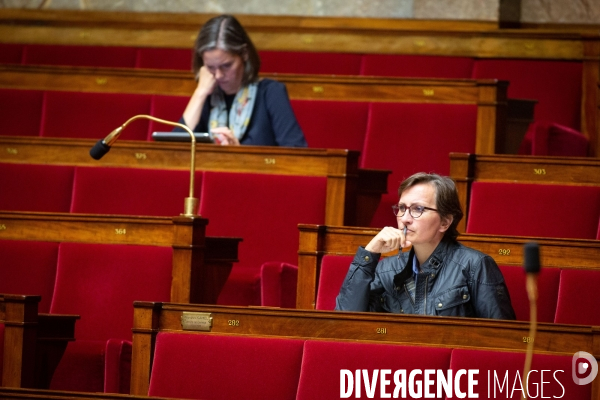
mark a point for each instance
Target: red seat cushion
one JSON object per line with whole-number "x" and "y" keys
{"x": 164, "y": 58}
{"x": 29, "y": 267}
{"x": 421, "y": 140}
{"x": 200, "y": 366}
{"x": 556, "y": 85}
{"x": 547, "y": 279}
{"x": 265, "y": 211}
{"x": 557, "y": 379}
{"x": 90, "y": 56}
{"x": 519, "y": 209}
{"x": 323, "y": 362}
{"x": 416, "y": 66}
{"x": 333, "y": 271}
{"x": 332, "y": 124}
{"x": 131, "y": 191}
{"x": 577, "y": 295}
{"x": 21, "y": 112}
{"x": 94, "y": 115}
{"x": 32, "y": 187}
{"x": 298, "y": 62}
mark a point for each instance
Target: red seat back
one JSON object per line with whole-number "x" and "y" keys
{"x": 333, "y": 271}
{"x": 577, "y": 295}
{"x": 332, "y": 124}
{"x": 323, "y": 361}
{"x": 100, "y": 282}
{"x": 163, "y": 58}
{"x": 131, "y": 191}
{"x": 408, "y": 137}
{"x": 545, "y": 138}
{"x": 215, "y": 367}
{"x": 11, "y": 53}
{"x": 83, "y": 56}
{"x": 519, "y": 209}
{"x": 94, "y": 115}
{"x": 556, "y": 85}
{"x": 417, "y": 66}
{"x": 21, "y": 112}
{"x": 298, "y": 62}
{"x": 169, "y": 108}
{"x": 33, "y": 187}
{"x": 28, "y": 267}
{"x": 547, "y": 279}
{"x": 278, "y": 284}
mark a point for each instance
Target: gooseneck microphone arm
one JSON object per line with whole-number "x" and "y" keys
{"x": 531, "y": 264}
{"x": 103, "y": 146}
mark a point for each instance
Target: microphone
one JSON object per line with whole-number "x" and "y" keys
{"x": 103, "y": 146}
{"x": 531, "y": 264}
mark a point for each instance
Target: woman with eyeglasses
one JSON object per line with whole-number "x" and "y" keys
{"x": 230, "y": 101}
{"x": 438, "y": 276}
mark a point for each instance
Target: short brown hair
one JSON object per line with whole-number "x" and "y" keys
{"x": 226, "y": 33}
{"x": 446, "y": 198}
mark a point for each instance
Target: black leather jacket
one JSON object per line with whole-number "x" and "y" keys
{"x": 455, "y": 281}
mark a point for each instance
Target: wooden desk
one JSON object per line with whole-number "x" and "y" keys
{"x": 467, "y": 168}
{"x": 152, "y": 318}
{"x": 352, "y": 193}
{"x": 489, "y": 95}
{"x": 14, "y": 394}
{"x": 33, "y": 343}
{"x": 317, "y": 241}
{"x": 201, "y": 264}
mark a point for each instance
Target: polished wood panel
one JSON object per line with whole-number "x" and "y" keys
{"x": 152, "y": 318}
{"x": 33, "y": 343}
{"x": 345, "y": 181}
{"x": 201, "y": 264}
{"x": 468, "y": 168}
{"x": 318, "y": 240}
{"x": 19, "y": 394}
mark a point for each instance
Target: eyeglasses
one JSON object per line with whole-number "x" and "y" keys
{"x": 415, "y": 210}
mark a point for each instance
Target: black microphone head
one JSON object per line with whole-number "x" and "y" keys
{"x": 531, "y": 256}
{"x": 99, "y": 150}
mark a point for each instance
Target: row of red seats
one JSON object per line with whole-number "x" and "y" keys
{"x": 202, "y": 366}
{"x": 402, "y": 137}
{"x": 556, "y": 85}
{"x": 262, "y": 209}
{"x": 558, "y": 290}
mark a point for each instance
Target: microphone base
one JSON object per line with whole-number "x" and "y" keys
{"x": 190, "y": 207}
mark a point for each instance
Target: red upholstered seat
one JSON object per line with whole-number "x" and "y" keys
{"x": 278, "y": 284}
{"x": 169, "y": 108}
{"x": 298, "y": 62}
{"x": 548, "y": 279}
{"x": 32, "y": 187}
{"x": 131, "y": 191}
{"x": 519, "y": 209}
{"x": 323, "y": 361}
{"x": 416, "y": 66}
{"x": 555, "y": 84}
{"x": 409, "y": 137}
{"x": 577, "y": 295}
{"x": 1, "y": 346}
{"x": 20, "y": 112}
{"x": 28, "y": 267}
{"x": 200, "y": 366}
{"x": 332, "y": 124}
{"x": 94, "y": 115}
{"x": 333, "y": 271}
{"x": 89, "y": 56}
{"x": 544, "y": 138}
{"x": 163, "y": 58}
{"x": 11, "y": 53}
{"x": 265, "y": 211}
{"x": 100, "y": 283}
{"x": 556, "y": 369}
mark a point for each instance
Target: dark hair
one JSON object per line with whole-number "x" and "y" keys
{"x": 226, "y": 33}
{"x": 446, "y": 198}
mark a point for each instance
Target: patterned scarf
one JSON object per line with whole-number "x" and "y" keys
{"x": 240, "y": 113}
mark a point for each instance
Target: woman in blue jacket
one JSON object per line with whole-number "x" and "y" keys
{"x": 230, "y": 101}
